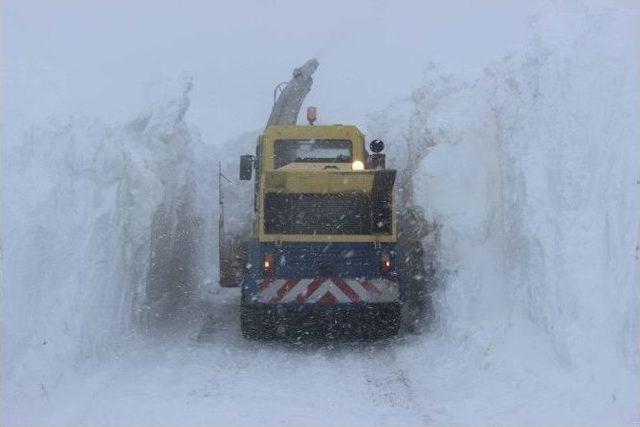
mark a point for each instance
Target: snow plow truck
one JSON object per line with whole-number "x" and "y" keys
{"x": 322, "y": 255}
{"x": 323, "y": 247}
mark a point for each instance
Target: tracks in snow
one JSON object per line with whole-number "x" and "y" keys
{"x": 390, "y": 385}
{"x": 381, "y": 379}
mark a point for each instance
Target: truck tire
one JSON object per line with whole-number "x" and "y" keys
{"x": 255, "y": 322}
{"x": 253, "y": 325}
{"x": 391, "y": 322}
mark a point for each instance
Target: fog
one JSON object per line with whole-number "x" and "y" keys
{"x": 516, "y": 125}
{"x": 108, "y": 59}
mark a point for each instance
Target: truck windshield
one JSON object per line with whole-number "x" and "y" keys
{"x": 311, "y": 150}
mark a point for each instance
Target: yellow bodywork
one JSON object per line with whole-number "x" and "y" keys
{"x": 314, "y": 178}
{"x": 317, "y": 181}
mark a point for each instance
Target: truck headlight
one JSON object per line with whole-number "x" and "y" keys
{"x": 357, "y": 165}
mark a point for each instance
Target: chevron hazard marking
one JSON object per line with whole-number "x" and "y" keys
{"x": 296, "y": 291}
{"x": 324, "y": 290}
{"x": 328, "y": 287}
{"x": 315, "y": 284}
{"x": 283, "y": 290}
{"x": 344, "y": 287}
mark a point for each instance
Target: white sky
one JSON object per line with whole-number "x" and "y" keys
{"x": 106, "y": 59}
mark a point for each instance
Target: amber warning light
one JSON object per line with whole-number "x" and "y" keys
{"x": 311, "y": 115}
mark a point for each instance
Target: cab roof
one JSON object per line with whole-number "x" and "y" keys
{"x": 310, "y": 132}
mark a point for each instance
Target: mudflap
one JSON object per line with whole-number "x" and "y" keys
{"x": 320, "y": 321}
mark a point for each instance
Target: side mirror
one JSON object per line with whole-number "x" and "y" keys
{"x": 246, "y": 167}
{"x": 376, "y": 145}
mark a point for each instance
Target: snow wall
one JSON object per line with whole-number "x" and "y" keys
{"x": 104, "y": 228}
{"x": 532, "y": 170}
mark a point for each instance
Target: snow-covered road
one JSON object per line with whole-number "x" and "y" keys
{"x": 176, "y": 380}
{"x": 172, "y": 379}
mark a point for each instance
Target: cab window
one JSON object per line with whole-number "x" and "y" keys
{"x": 311, "y": 151}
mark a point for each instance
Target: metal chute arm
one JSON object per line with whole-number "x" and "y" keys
{"x": 287, "y": 107}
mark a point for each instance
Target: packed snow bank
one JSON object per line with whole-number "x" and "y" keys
{"x": 89, "y": 213}
{"x": 532, "y": 172}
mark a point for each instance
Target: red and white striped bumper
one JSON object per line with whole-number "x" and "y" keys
{"x": 326, "y": 290}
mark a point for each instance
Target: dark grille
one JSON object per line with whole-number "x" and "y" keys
{"x": 337, "y": 213}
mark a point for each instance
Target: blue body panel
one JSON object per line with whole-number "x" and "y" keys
{"x": 308, "y": 260}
